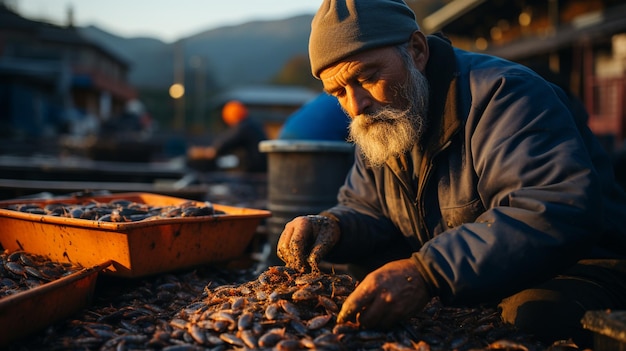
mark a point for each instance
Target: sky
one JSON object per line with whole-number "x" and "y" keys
{"x": 167, "y": 20}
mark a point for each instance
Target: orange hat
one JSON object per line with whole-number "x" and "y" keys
{"x": 234, "y": 112}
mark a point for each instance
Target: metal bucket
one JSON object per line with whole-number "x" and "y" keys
{"x": 303, "y": 178}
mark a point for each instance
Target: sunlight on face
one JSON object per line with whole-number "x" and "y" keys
{"x": 390, "y": 131}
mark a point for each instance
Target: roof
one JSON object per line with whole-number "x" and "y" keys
{"x": 587, "y": 28}
{"x": 575, "y": 22}
{"x": 268, "y": 95}
{"x": 448, "y": 13}
{"x": 46, "y": 32}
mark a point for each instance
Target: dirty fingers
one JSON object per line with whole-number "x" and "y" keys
{"x": 306, "y": 240}
{"x": 386, "y": 296}
{"x": 327, "y": 237}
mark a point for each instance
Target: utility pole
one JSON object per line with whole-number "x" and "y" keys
{"x": 177, "y": 90}
{"x": 198, "y": 64}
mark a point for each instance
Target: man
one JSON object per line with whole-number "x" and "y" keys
{"x": 244, "y": 134}
{"x": 473, "y": 181}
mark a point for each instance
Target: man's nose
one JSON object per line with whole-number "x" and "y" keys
{"x": 359, "y": 101}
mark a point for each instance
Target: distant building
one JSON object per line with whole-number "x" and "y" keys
{"x": 579, "y": 44}
{"x": 55, "y": 81}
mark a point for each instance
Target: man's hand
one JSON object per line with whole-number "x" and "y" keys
{"x": 201, "y": 152}
{"x": 306, "y": 240}
{"x": 386, "y": 296}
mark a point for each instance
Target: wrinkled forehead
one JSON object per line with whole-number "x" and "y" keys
{"x": 357, "y": 65}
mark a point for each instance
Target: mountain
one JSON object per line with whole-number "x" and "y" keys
{"x": 250, "y": 53}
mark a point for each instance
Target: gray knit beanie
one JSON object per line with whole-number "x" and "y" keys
{"x": 341, "y": 28}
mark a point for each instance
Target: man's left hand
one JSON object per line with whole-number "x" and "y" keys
{"x": 386, "y": 296}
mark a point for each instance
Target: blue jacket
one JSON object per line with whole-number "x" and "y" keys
{"x": 507, "y": 189}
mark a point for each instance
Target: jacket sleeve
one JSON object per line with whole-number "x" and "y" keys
{"x": 538, "y": 184}
{"x": 231, "y": 138}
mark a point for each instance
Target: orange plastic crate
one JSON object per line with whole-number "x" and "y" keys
{"x": 138, "y": 248}
{"x": 34, "y": 309}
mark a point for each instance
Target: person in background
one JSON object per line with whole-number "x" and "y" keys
{"x": 319, "y": 119}
{"x": 244, "y": 133}
{"x": 474, "y": 181}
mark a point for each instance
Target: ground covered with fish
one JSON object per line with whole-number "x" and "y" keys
{"x": 274, "y": 308}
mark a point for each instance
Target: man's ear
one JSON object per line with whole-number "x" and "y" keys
{"x": 418, "y": 47}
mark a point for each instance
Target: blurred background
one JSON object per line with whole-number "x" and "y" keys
{"x": 112, "y": 91}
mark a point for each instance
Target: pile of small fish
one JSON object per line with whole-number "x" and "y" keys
{"x": 282, "y": 309}
{"x": 133, "y": 314}
{"x": 119, "y": 210}
{"x": 219, "y": 309}
{"x": 21, "y": 271}
{"x": 286, "y": 310}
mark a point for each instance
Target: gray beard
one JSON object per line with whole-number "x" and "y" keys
{"x": 391, "y": 132}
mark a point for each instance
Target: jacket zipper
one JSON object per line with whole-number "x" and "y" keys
{"x": 419, "y": 201}
{"x": 412, "y": 211}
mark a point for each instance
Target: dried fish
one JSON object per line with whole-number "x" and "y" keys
{"x": 119, "y": 210}
{"x": 280, "y": 309}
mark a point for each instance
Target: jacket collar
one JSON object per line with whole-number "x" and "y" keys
{"x": 441, "y": 72}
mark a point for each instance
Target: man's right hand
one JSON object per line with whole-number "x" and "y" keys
{"x": 306, "y": 240}
{"x": 201, "y": 152}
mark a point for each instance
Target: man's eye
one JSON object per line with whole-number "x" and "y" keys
{"x": 367, "y": 79}
{"x": 339, "y": 92}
